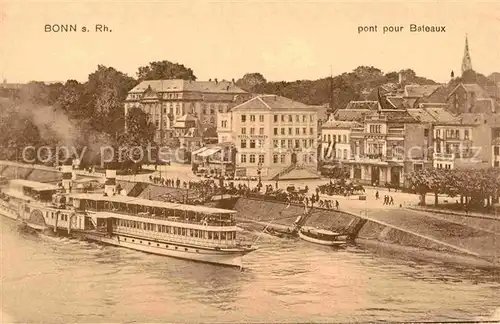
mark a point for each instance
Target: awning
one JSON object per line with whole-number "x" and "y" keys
{"x": 198, "y": 151}
{"x": 210, "y": 151}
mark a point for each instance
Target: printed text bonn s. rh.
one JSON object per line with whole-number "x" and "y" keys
{"x": 74, "y": 28}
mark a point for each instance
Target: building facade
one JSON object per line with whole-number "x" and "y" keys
{"x": 272, "y": 134}
{"x": 167, "y": 100}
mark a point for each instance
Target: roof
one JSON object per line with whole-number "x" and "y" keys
{"x": 340, "y": 124}
{"x": 421, "y": 115}
{"x": 35, "y": 185}
{"x": 366, "y": 104}
{"x": 179, "y": 85}
{"x": 472, "y": 88}
{"x": 441, "y": 115}
{"x": 152, "y": 203}
{"x": 351, "y": 115}
{"x": 273, "y": 102}
{"x": 417, "y": 90}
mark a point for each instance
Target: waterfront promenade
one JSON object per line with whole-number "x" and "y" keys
{"x": 473, "y": 234}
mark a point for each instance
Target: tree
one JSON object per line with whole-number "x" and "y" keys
{"x": 137, "y": 140}
{"x": 105, "y": 92}
{"x": 250, "y": 81}
{"x": 164, "y": 70}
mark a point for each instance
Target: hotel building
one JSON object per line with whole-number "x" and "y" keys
{"x": 273, "y": 135}
{"x": 167, "y": 100}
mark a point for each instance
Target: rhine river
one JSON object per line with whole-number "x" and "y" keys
{"x": 58, "y": 280}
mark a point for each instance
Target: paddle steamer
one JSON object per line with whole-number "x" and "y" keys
{"x": 196, "y": 233}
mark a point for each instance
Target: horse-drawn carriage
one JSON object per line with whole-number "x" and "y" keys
{"x": 341, "y": 188}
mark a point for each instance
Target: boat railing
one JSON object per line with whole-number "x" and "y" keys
{"x": 179, "y": 238}
{"x": 177, "y": 219}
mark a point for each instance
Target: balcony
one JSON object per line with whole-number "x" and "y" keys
{"x": 443, "y": 156}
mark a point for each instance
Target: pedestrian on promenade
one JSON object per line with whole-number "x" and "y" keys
{"x": 337, "y": 204}
{"x": 385, "y": 200}
{"x": 391, "y": 202}
{"x": 376, "y": 195}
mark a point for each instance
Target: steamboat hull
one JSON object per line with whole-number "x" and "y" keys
{"x": 225, "y": 257}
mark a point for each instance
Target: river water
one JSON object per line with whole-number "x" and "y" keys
{"x": 59, "y": 280}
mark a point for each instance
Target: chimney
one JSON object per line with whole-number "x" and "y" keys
{"x": 216, "y": 82}
{"x": 67, "y": 176}
{"x": 110, "y": 184}
{"x": 232, "y": 81}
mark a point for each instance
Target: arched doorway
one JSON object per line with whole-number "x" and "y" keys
{"x": 294, "y": 158}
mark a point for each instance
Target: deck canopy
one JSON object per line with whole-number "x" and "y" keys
{"x": 33, "y": 185}
{"x": 151, "y": 208}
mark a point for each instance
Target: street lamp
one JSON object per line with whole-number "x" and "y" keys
{"x": 259, "y": 169}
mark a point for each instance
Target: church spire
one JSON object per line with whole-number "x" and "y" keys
{"x": 466, "y": 61}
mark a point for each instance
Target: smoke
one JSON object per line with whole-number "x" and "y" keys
{"x": 51, "y": 122}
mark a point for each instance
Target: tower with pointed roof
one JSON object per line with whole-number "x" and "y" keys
{"x": 466, "y": 61}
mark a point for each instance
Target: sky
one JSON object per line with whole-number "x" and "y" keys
{"x": 283, "y": 40}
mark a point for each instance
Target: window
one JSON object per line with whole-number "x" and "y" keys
{"x": 311, "y": 118}
{"x": 283, "y": 118}
{"x": 282, "y": 131}
{"x": 311, "y": 131}
{"x": 290, "y": 144}
{"x": 261, "y": 118}
{"x": 243, "y": 118}
{"x": 282, "y": 158}
{"x": 243, "y": 144}
{"x": 375, "y": 128}
{"x": 290, "y": 118}
{"x": 426, "y": 132}
{"x": 297, "y": 143}
{"x": 243, "y": 158}
{"x": 496, "y": 150}
{"x": 297, "y": 118}
{"x": 252, "y": 158}
{"x": 438, "y": 133}
{"x": 224, "y": 124}
{"x": 466, "y": 134}
{"x": 275, "y": 158}
{"x": 261, "y": 158}
{"x": 275, "y": 131}
{"x": 289, "y": 131}
{"x": 297, "y": 131}
{"x": 243, "y": 131}
{"x": 275, "y": 143}
{"x": 345, "y": 154}
{"x": 275, "y": 118}
{"x": 304, "y": 118}
{"x": 252, "y": 131}
{"x": 252, "y": 118}
{"x": 252, "y": 143}
{"x": 497, "y": 164}
{"x": 339, "y": 139}
{"x": 304, "y": 143}
{"x": 283, "y": 143}
{"x": 344, "y": 138}
{"x": 324, "y": 138}
{"x": 261, "y": 131}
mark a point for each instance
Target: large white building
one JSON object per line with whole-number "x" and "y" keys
{"x": 167, "y": 100}
{"x": 272, "y": 134}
